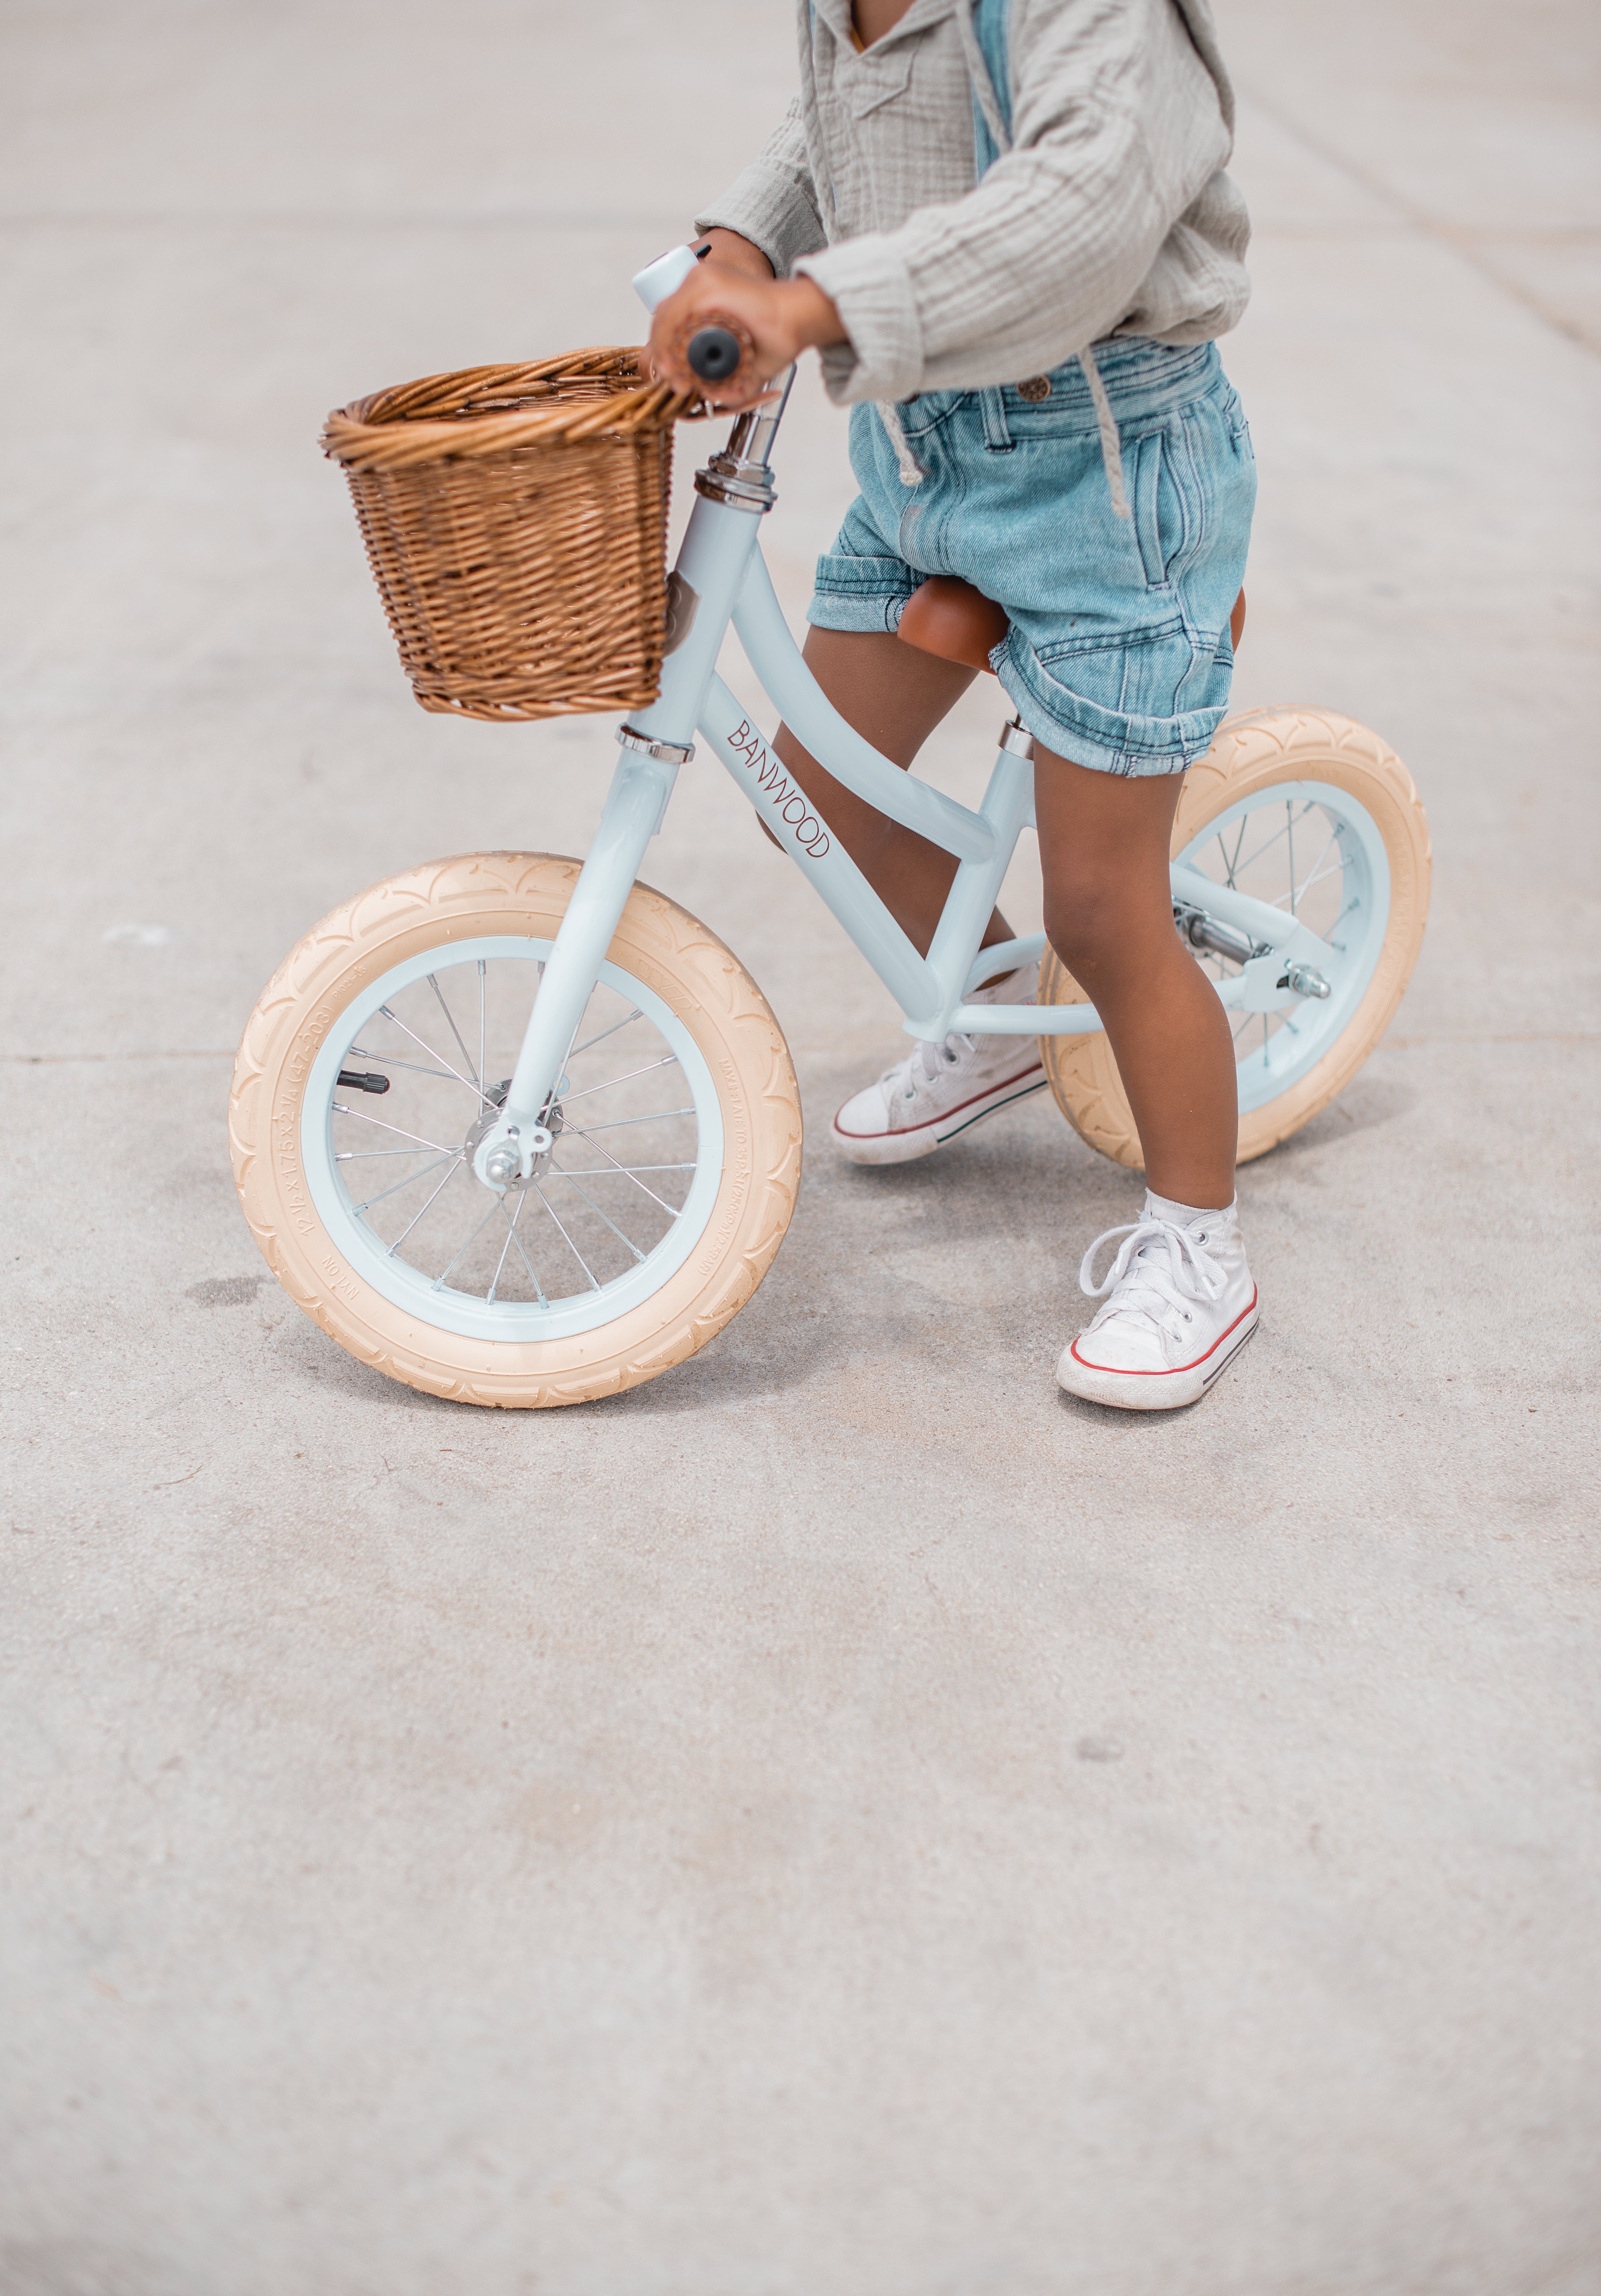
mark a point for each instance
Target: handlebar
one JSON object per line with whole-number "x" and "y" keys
{"x": 714, "y": 352}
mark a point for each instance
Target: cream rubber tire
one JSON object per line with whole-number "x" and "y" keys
{"x": 1327, "y": 766}
{"x": 722, "y": 1040}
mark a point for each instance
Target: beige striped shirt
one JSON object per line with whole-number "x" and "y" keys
{"x": 1111, "y": 214}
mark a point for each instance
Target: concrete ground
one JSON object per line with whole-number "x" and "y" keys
{"x": 842, "y": 1817}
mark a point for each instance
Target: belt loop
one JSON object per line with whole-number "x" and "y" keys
{"x": 997, "y": 437}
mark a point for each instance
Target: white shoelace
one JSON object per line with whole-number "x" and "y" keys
{"x": 1149, "y": 1283}
{"x": 931, "y": 1058}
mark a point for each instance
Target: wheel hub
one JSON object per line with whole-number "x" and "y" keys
{"x": 504, "y": 1164}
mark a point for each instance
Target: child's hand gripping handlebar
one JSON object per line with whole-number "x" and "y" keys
{"x": 725, "y": 330}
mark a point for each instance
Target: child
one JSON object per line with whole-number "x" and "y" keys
{"x": 1004, "y": 226}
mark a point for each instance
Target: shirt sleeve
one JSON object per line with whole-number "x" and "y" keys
{"x": 774, "y": 203}
{"x": 1118, "y": 130}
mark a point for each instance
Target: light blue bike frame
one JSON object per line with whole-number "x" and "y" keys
{"x": 721, "y": 578}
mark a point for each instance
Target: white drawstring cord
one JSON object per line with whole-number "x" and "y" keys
{"x": 912, "y": 472}
{"x": 1111, "y": 449}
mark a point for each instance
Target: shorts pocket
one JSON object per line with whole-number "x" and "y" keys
{"x": 1160, "y": 528}
{"x": 1239, "y": 429}
{"x": 1142, "y": 703}
{"x": 1140, "y": 673}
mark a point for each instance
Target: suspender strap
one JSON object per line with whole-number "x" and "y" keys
{"x": 983, "y": 26}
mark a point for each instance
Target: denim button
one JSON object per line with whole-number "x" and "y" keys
{"x": 1038, "y": 387}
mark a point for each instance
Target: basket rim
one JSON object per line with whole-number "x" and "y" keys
{"x": 417, "y": 422}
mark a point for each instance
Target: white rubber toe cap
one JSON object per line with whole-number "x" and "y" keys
{"x": 1087, "y": 1368}
{"x": 861, "y": 1131}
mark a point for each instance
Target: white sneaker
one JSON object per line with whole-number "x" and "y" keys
{"x": 940, "y": 1090}
{"x": 1181, "y": 1307}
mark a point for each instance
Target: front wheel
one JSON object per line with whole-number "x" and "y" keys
{"x": 1312, "y": 813}
{"x": 379, "y": 1054}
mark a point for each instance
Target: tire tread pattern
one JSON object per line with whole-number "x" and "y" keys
{"x": 507, "y": 893}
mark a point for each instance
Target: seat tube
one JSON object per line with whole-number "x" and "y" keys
{"x": 976, "y": 885}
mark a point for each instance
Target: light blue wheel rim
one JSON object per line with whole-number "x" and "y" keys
{"x": 442, "y": 1308}
{"x": 1347, "y": 849}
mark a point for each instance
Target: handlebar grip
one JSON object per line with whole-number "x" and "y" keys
{"x": 714, "y": 354}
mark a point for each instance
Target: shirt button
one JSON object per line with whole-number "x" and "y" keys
{"x": 1038, "y": 387}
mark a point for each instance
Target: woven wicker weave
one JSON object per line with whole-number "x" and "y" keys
{"x": 515, "y": 519}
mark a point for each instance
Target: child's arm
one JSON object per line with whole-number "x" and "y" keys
{"x": 774, "y": 204}
{"x": 766, "y": 219}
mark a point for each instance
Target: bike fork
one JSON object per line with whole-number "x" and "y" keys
{"x": 654, "y": 743}
{"x": 712, "y": 562}
{"x": 634, "y": 805}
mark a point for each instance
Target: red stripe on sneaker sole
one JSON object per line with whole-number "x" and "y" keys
{"x": 1114, "y": 1371}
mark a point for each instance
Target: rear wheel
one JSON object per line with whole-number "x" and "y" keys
{"x": 379, "y": 1054}
{"x": 1315, "y": 815}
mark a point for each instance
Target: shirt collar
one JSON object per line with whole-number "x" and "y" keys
{"x": 918, "y": 17}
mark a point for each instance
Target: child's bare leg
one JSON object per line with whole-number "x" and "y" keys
{"x": 894, "y": 695}
{"x": 1104, "y": 848}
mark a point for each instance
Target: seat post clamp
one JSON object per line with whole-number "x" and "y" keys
{"x": 1015, "y": 736}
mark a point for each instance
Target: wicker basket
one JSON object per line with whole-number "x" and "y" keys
{"x": 515, "y": 518}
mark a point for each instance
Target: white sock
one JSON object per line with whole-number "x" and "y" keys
{"x": 1164, "y": 1207}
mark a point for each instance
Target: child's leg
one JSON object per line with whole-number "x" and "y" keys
{"x": 1104, "y": 849}
{"x": 894, "y": 696}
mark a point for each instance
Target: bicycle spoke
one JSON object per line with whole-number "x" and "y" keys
{"x": 455, "y": 1032}
{"x": 593, "y": 1171}
{"x": 439, "y": 1146}
{"x": 1230, "y": 866}
{"x": 410, "y": 1180}
{"x": 411, "y": 1224}
{"x": 428, "y": 1048}
{"x": 439, "y": 1279}
{"x": 1317, "y": 871}
{"x": 484, "y": 1249}
{"x": 616, "y": 1123}
{"x": 595, "y": 1208}
{"x": 413, "y": 1068}
{"x": 668, "y": 1060}
{"x": 1255, "y": 854}
{"x": 1290, "y": 834}
{"x": 528, "y": 1263}
{"x": 366, "y": 1155}
{"x": 566, "y": 1239}
{"x": 611, "y": 1031}
{"x": 623, "y": 1168}
{"x": 511, "y": 1238}
{"x": 1339, "y": 921}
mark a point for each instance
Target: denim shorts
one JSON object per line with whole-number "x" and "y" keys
{"x": 1118, "y": 655}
